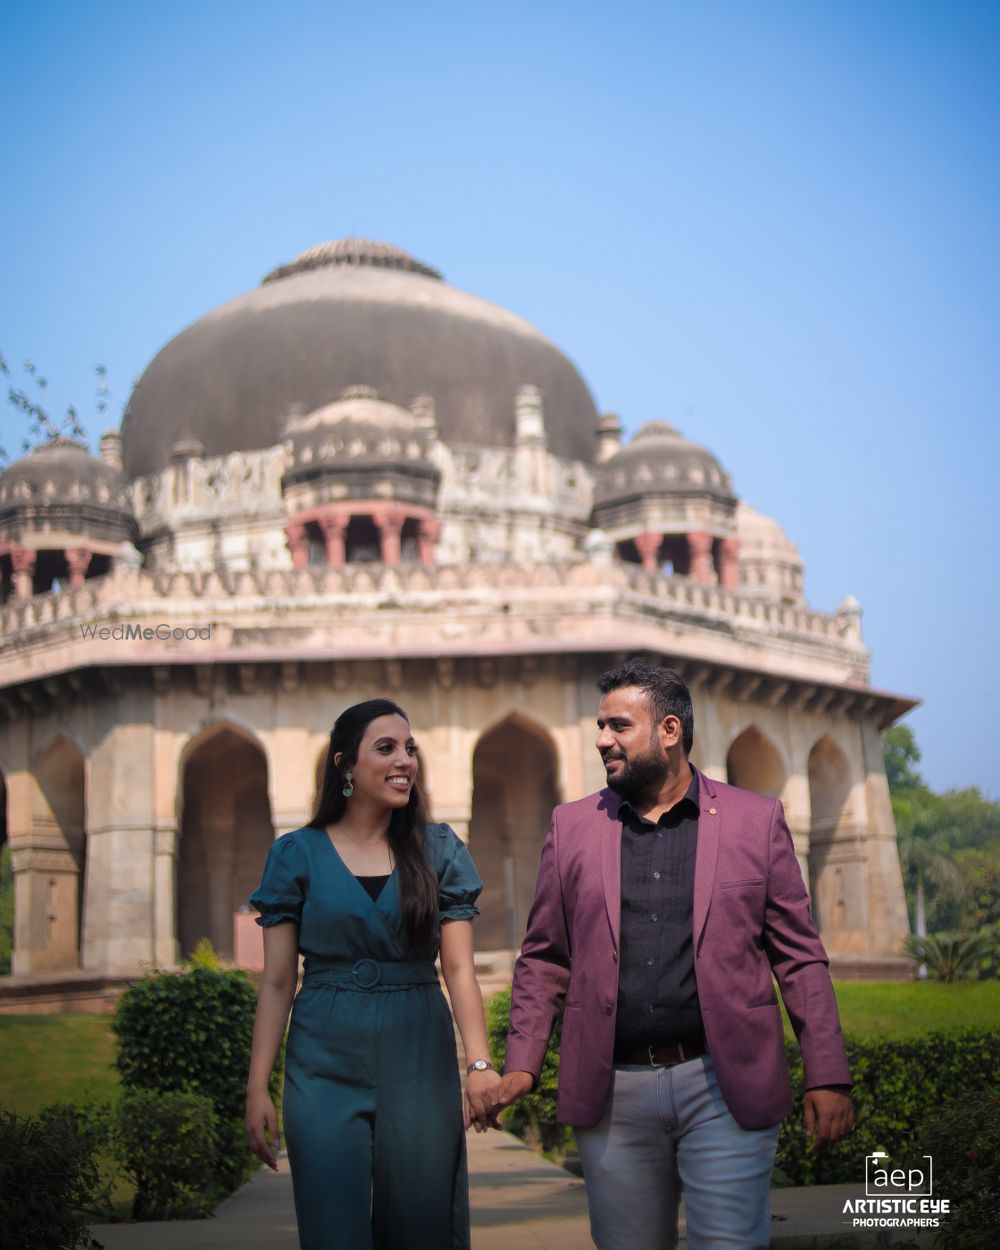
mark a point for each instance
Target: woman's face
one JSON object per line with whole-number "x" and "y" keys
{"x": 387, "y": 764}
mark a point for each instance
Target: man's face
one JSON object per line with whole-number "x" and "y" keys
{"x": 629, "y": 743}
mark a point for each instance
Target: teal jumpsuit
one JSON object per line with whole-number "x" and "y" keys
{"x": 372, "y": 1105}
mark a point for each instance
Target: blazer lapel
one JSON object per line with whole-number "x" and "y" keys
{"x": 706, "y": 854}
{"x": 611, "y": 862}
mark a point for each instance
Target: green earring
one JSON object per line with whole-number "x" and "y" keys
{"x": 348, "y": 788}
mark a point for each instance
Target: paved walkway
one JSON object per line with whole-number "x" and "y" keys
{"x": 519, "y": 1202}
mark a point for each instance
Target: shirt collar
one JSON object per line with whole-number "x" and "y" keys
{"x": 625, "y": 808}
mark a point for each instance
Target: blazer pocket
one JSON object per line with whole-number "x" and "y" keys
{"x": 732, "y": 885}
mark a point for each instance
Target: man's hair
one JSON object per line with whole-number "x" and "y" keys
{"x": 667, "y": 691}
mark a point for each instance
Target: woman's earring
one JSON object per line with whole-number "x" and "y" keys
{"x": 348, "y": 788}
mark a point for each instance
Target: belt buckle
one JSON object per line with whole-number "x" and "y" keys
{"x": 673, "y": 1063}
{"x": 364, "y": 979}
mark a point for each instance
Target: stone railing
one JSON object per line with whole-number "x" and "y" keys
{"x": 127, "y": 593}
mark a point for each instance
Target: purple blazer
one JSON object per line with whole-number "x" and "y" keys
{"x": 751, "y": 920}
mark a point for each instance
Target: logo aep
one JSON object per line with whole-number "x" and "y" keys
{"x": 881, "y": 1181}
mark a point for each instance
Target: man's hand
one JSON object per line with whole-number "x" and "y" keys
{"x": 829, "y": 1115}
{"x": 513, "y": 1086}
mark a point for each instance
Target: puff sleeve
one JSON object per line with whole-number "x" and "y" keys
{"x": 459, "y": 884}
{"x": 281, "y": 892}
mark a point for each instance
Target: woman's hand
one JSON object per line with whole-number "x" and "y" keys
{"x": 262, "y": 1129}
{"x": 482, "y": 1089}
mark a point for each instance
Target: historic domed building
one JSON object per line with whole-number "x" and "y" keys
{"x": 354, "y": 480}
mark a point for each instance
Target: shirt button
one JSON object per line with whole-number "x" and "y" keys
{"x": 650, "y": 962}
{"x": 653, "y": 916}
{"x": 651, "y": 1008}
{"x": 659, "y": 833}
{"x": 656, "y": 876}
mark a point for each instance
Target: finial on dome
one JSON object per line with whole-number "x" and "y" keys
{"x": 356, "y": 253}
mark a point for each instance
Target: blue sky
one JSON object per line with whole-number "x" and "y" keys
{"x": 773, "y": 224}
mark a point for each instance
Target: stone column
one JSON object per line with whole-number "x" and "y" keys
{"x": 22, "y": 562}
{"x": 334, "y": 527}
{"x": 700, "y": 547}
{"x": 427, "y": 538}
{"x": 729, "y": 564}
{"x": 165, "y": 949}
{"x": 298, "y": 543}
{"x": 78, "y": 561}
{"x": 390, "y": 525}
{"x": 648, "y": 545}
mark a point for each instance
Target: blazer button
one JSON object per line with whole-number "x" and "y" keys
{"x": 607, "y": 1009}
{"x": 614, "y": 956}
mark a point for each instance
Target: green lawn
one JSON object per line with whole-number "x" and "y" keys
{"x": 49, "y": 1059}
{"x": 902, "y": 1008}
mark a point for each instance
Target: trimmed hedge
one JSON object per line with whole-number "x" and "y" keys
{"x": 897, "y": 1084}
{"x": 191, "y": 1032}
{"x": 50, "y": 1179}
{"x": 168, "y": 1143}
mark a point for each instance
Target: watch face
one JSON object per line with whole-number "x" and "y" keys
{"x": 481, "y": 1065}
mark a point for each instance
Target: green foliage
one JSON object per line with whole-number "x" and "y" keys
{"x": 533, "y": 1117}
{"x": 204, "y": 956}
{"x": 6, "y": 905}
{"x": 963, "y": 1137}
{"x": 897, "y": 1083}
{"x": 50, "y": 1181}
{"x": 951, "y": 957}
{"x": 168, "y": 1143}
{"x": 901, "y": 755}
{"x": 191, "y": 1031}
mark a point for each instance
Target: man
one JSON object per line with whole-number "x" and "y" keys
{"x": 664, "y": 904}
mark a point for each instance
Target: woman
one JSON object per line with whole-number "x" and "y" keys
{"x": 367, "y": 892}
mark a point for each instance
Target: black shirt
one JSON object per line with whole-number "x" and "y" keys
{"x": 374, "y": 885}
{"x": 657, "y": 996}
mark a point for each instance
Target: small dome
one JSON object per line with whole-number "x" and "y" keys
{"x": 770, "y": 563}
{"x": 762, "y": 536}
{"x": 660, "y": 460}
{"x": 370, "y": 444}
{"x": 60, "y": 485}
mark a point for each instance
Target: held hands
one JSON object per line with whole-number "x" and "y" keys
{"x": 262, "y": 1129}
{"x": 482, "y": 1091}
{"x": 829, "y": 1115}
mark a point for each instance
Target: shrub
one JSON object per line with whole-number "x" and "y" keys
{"x": 167, "y": 1142}
{"x": 191, "y": 1031}
{"x": 50, "y": 1181}
{"x": 963, "y": 1137}
{"x": 533, "y": 1117}
{"x": 896, "y": 1083}
{"x": 952, "y": 957}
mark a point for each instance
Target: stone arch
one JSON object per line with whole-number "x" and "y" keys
{"x": 837, "y": 864}
{"x": 754, "y": 763}
{"x": 54, "y": 890}
{"x": 6, "y": 885}
{"x": 226, "y": 828}
{"x": 829, "y": 786}
{"x": 514, "y": 788}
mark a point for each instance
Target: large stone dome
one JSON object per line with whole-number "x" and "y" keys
{"x": 342, "y": 314}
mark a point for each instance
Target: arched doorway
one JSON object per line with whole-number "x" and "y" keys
{"x": 753, "y": 763}
{"x": 6, "y": 887}
{"x": 514, "y": 789}
{"x": 58, "y": 824}
{"x": 226, "y": 830}
{"x": 836, "y": 864}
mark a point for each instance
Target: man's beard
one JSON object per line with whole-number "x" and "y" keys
{"x": 638, "y": 774}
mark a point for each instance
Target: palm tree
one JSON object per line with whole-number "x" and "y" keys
{"x": 923, "y": 831}
{"x": 950, "y": 957}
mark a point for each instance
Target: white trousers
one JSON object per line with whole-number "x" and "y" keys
{"x": 668, "y": 1129}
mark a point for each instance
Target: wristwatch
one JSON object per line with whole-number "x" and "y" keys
{"x": 481, "y": 1065}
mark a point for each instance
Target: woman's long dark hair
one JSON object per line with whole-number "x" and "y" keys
{"x": 407, "y": 825}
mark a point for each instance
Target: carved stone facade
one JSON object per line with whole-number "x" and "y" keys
{"x": 164, "y": 714}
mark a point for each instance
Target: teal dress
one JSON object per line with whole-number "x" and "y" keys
{"x": 372, "y": 1104}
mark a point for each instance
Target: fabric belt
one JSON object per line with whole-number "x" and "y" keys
{"x": 663, "y": 1056}
{"x": 367, "y": 974}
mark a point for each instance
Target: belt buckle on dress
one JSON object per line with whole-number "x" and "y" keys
{"x": 363, "y": 978}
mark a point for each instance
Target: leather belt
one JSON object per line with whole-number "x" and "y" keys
{"x": 663, "y": 1056}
